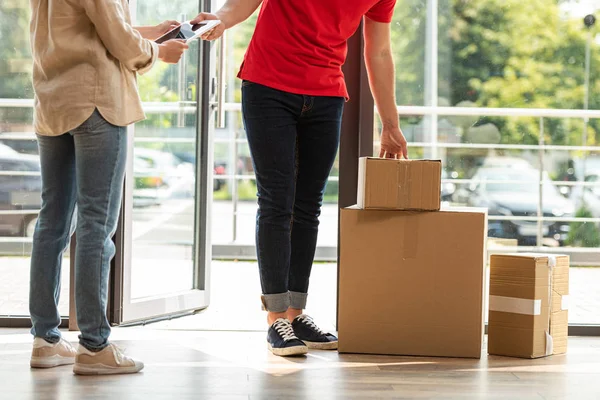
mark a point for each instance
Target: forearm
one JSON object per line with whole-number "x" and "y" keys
{"x": 147, "y": 32}
{"x": 235, "y": 11}
{"x": 120, "y": 39}
{"x": 382, "y": 79}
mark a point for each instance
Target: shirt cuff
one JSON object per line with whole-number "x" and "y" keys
{"x": 149, "y": 66}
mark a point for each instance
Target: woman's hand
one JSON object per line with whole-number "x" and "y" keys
{"x": 171, "y": 51}
{"x": 164, "y": 27}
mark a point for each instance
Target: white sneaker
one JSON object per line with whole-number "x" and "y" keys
{"x": 108, "y": 361}
{"x": 49, "y": 355}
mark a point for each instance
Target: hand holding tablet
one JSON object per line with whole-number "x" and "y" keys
{"x": 188, "y": 32}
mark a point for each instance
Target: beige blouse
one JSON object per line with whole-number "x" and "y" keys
{"x": 86, "y": 56}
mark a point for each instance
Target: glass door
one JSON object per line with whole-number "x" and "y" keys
{"x": 164, "y": 264}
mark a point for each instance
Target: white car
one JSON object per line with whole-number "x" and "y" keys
{"x": 160, "y": 175}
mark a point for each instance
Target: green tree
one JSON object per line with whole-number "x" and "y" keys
{"x": 500, "y": 53}
{"x": 15, "y": 59}
{"x": 583, "y": 234}
{"x": 519, "y": 54}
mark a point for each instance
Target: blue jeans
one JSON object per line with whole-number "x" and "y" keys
{"x": 293, "y": 142}
{"x": 84, "y": 167}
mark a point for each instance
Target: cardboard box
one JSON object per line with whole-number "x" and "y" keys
{"x": 389, "y": 184}
{"x": 412, "y": 283}
{"x": 528, "y": 305}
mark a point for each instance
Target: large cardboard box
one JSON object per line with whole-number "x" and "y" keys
{"x": 528, "y": 305}
{"x": 399, "y": 184}
{"x": 412, "y": 283}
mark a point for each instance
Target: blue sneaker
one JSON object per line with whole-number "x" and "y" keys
{"x": 282, "y": 341}
{"x": 307, "y": 331}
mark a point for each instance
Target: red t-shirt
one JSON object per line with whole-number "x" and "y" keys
{"x": 299, "y": 46}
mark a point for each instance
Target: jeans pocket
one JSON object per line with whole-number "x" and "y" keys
{"x": 247, "y": 83}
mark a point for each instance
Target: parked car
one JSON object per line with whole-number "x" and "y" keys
{"x": 506, "y": 162}
{"x": 462, "y": 193}
{"x": 20, "y": 192}
{"x": 588, "y": 196}
{"x": 22, "y": 142}
{"x": 220, "y": 168}
{"x": 512, "y": 192}
{"x": 160, "y": 175}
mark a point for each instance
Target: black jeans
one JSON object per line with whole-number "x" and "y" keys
{"x": 293, "y": 142}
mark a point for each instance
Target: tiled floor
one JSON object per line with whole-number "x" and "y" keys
{"x": 236, "y": 365}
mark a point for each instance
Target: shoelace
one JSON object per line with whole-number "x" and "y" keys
{"x": 118, "y": 354}
{"x": 285, "y": 330}
{"x": 308, "y": 321}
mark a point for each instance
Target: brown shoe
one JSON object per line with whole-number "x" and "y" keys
{"x": 49, "y": 355}
{"x": 108, "y": 361}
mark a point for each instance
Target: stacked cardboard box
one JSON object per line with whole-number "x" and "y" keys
{"x": 411, "y": 282}
{"x": 399, "y": 184}
{"x": 528, "y": 305}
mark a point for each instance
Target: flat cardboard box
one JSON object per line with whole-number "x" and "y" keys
{"x": 528, "y": 305}
{"x": 412, "y": 283}
{"x": 389, "y": 184}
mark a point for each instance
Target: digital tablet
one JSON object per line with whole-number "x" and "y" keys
{"x": 189, "y": 32}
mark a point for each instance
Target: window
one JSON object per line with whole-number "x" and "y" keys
{"x": 508, "y": 84}
{"x": 20, "y": 180}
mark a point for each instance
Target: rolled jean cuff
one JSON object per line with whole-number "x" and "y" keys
{"x": 298, "y": 300}
{"x": 277, "y": 303}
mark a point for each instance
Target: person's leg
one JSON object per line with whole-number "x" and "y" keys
{"x": 52, "y": 233}
{"x": 270, "y": 119}
{"x": 318, "y": 140}
{"x": 101, "y": 150}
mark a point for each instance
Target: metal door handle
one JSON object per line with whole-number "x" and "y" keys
{"x": 181, "y": 84}
{"x": 221, "y": 84}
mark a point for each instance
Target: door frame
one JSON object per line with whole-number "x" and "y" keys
{"x": 123, "y": 309}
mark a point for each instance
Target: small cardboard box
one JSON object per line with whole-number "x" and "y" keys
{"x": 528, "y": 305}
{"x": 412, "y": 283}
{"x": 390, "y": 184}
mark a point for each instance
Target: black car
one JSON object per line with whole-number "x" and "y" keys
{"x": 515, "y": 193}
{"x": 20, "y": 192}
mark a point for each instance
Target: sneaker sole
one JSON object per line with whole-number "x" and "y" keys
{"x": 101, "y": 369}
{"x": 321, "y": 345}
{"x": 288, "y": 351}
{"x": 51, "y": 362}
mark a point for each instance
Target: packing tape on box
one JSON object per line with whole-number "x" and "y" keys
{"x": 515, "y": 305}
{"x": 549, "y": 344}
{"x": 549, "y": 340}
{"x": 404, "y": 185}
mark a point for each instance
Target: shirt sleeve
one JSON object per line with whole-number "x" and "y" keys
{"x": 120, "y": 39}
{"x": 382, "y": 11}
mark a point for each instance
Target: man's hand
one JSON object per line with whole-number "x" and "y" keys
{"x": 393, "y": 143}
{"x": 214, "y": 33}
{"x": 165, "y": 27}
{"x": 171, "y": 51}
{"x": 230, "y": 14}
